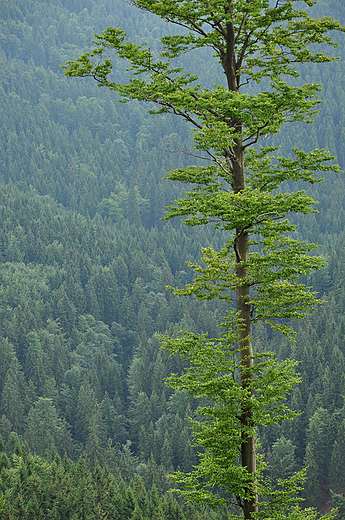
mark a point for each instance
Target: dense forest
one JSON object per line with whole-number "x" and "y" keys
{"x": 85, "y": 259}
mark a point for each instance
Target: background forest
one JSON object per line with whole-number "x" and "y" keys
{"x": 85, "y": 260}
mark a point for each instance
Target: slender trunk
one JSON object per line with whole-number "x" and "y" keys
{"x": 241, "y": 246}
{"x": 246, "y": 361}
{"x": 246, "y": 353}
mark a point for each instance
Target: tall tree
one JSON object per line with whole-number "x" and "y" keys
{"x": 96, "y": 439}
{"x": 254, "y": 42}
{"x": 13, "y": 396}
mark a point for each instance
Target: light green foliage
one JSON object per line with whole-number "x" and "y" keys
{"x": 282, "y": 503}
{"x": 273, "y": 272}
{"x": 214, "y": 374}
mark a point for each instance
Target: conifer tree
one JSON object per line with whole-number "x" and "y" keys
{"x": 13, "y": 395}
{"x": 239, "y": 189}
{"x": 96, "y": 439}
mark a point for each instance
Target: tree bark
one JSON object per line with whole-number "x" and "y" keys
{"x": 241, "y": 246}
{"x": 246, "y": 362}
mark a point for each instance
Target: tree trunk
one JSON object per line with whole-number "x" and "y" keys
{"x": 241, "y": 246}
{"x": 235, "y": 155}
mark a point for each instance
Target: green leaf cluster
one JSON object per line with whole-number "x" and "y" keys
{"x": 214, "y": 375}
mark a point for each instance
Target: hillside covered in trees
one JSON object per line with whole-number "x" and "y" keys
{"x": 85, "y": 260}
